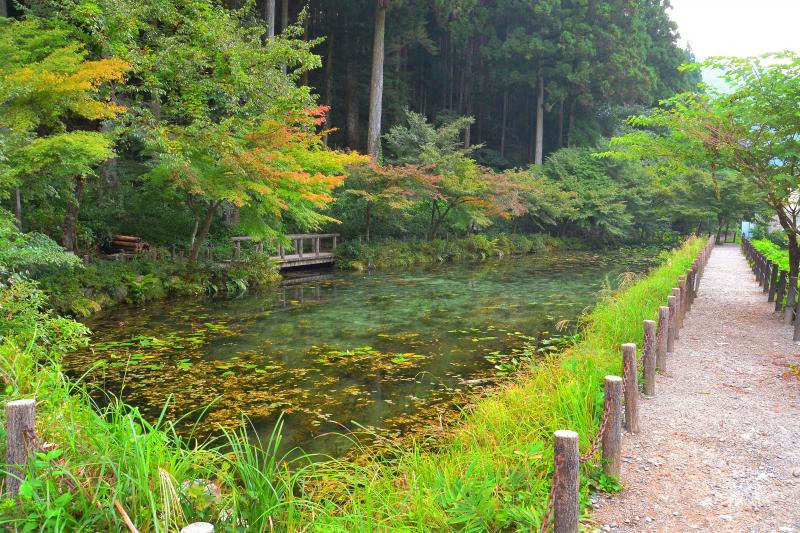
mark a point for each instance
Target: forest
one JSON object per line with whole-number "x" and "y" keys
{"x": 181, "y": 121}
{"x": 436, "y": 139}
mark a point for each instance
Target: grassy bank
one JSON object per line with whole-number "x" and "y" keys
{"x": 86, "y": 289}
{"x": 491, "y": 472}
{"x": 356, "y": 255}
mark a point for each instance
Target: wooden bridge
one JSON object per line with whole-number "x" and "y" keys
{"x": 303, "y": 255}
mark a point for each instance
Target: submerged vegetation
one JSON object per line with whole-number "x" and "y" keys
{"x": 491, "y": 473}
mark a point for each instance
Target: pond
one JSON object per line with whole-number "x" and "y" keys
{"x": 334, "y": 352}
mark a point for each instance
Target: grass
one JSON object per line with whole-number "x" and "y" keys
{"x": 355, "y": 255}
{"x": 490, "y": 473}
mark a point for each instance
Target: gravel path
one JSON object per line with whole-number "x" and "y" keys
{"x": 719, "y": 448}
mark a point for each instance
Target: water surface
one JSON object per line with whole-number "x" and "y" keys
{"x": 341, "y": 351}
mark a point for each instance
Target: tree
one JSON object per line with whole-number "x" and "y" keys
{"x": 378, "y": 191}
{"x": 276, "y": 170}
{"x": 50, "y": 98}
{"x": 376, "y": 83}
{"x": 752, "y": 130}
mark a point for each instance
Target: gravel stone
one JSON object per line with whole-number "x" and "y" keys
{"x": 725, "y": 420}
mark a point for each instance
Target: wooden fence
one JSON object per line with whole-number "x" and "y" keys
{"x": 621, "y": 405}
{"x": 776, "y": 284}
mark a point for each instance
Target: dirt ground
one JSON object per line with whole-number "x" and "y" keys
{"x": 719, "y": 448}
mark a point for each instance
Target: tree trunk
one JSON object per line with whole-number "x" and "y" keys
{"x": 368, "y": 222}
{"x": 503, "y": 124}
{"x": 284, "y": 15}
{"x": 198, "y": 243}
{"x": 794, "y": 255}
{"x": 3, "y": 8}
{"x": 269, "y": 16}
{"x": 70, "y": 237}
{"x": 561, "y": 124}
{"x": 571, "y": 122}
{"x": 376, "y": 84}
{"x": 329, "y": 79}
{"x": 351, "y": 106}
{"x": 18, "y": 207}
{"x": 540, "y": 121}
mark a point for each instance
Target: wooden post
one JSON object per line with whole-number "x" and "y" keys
{"x": 681, "y": 304}
{"x": 612, "y": 463}
{"x": 334, "y": 242}
{"x": 773, "y": 282}
{"x": 788, "y": 313}
{"x": 281, "y": 252}
{"x": 766, "y": 274}
{"x": 662, "y": 338}
{"x": 781, "y": 292}
{"x": 631, "y": 373}
{"x": 172, "y": 250}
{"x": 20, "y": 428}
{"x": 677, "y": 324}
{"x": 649, "y": 357}
{"x": 673, "y": 315}
{"x": 565, "y": 476}
{"x": 316, "y": 246}
{"x": 237, "y": 254}
{"x": 300, "y": 247}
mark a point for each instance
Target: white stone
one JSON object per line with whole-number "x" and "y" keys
{"x": 199, "y": 527}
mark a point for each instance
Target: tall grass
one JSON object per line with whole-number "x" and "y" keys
{"x": 491, "y": 473}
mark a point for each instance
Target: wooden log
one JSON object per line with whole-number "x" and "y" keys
{"x": 565, "y": 477}
{"x": 649, "y": 357}
{"x": 773, "y": 282}
{"x": 128, "y": 238}
{"x": 612, "y": 435}
{"x": 661, "y": 340}
{"x": 631, "y": 373}
{"x": 791, "y": 296}
{"x": 781, "y": 291}
{"x": 20, "y": 433}
{"x": 673, "y": 313}
{"x": 676, "y": 333}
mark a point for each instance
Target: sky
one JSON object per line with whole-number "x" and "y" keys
{"x": 738, "y": 27}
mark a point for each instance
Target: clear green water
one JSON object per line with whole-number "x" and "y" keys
{"x": 385, "y": 351}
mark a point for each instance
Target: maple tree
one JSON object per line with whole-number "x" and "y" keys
{"x": 50, "y": 98}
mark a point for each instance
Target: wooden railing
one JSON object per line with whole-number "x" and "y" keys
{"x": 298, "y": 241}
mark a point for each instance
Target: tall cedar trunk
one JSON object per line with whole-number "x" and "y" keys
{"x": 306, "y": 24}
{"x": 376, "y": 83}
{"x": 571, "y": 122}
{"x": 540, "y": 121}
{"x": 3, "y": 8}
{"x": 503, "y": 124}
{"x": 284, "y": 25}
{"x": 351, "y": 105}
{"x": 560, "y": 124}
{"x": 70, "y": 229}
{"x": 18, "y": 207}
{"x": 209, "y": 218}
{"x": 269, "y": 16}
{"x": 329, "y": 78}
